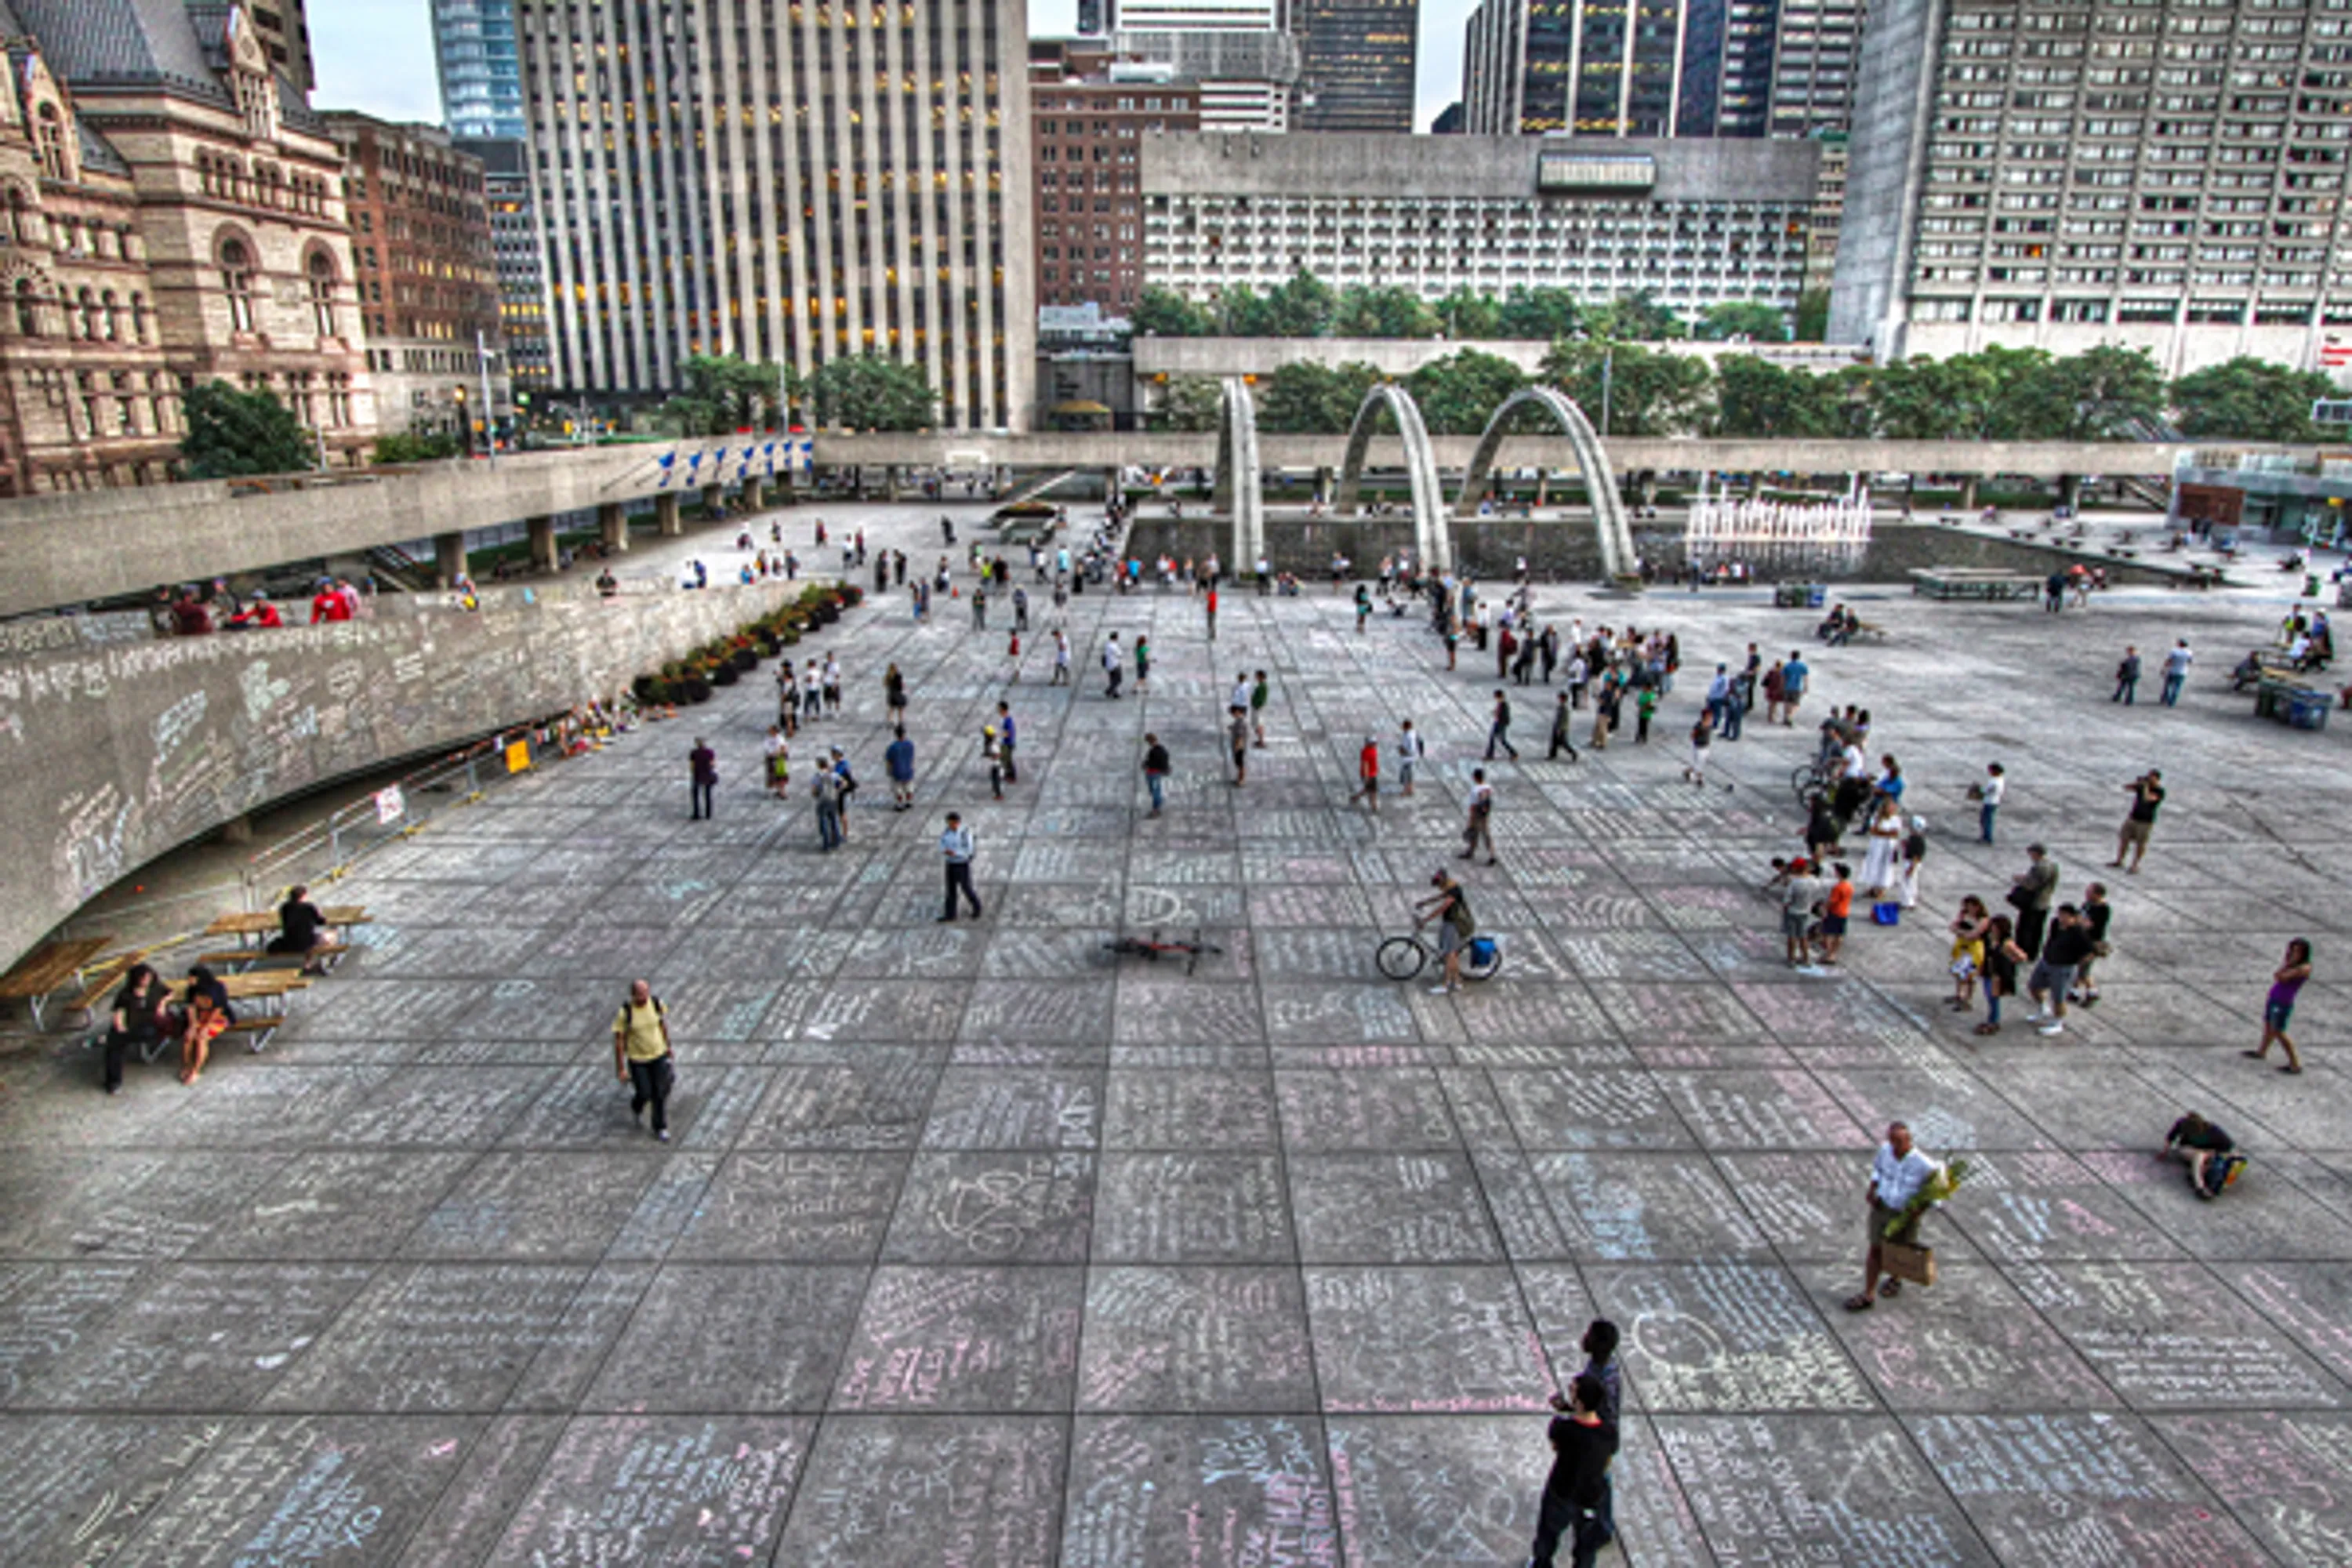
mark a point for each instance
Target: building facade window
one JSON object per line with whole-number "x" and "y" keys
{"x": 321, "y": 285}
{"x": 236, "y": 282}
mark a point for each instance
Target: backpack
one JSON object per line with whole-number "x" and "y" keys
{"x": 1465, "y": 924}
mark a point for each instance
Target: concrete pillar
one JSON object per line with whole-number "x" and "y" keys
{"x": 665, "y": 515}
{"x": 449, "y": 557}
{"x": 711, "y": 496}
{"x": 1969, "y": 493}
{"x": 544, "y": 556}
{"x": 755, "y": 495}
{"x": 612, "y": 523}
{"x": 1002, "y": 480}
{"x": 1543, "y": 489}
{"x": 1323, "y": 481}
{"x": 2070, "y": 491}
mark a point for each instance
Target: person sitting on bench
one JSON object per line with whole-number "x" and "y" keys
{"x": 301, "y": 927}
{"x": 201, "y": 1020}
{"x": 2248, "y": 671}
{"x": 141, "y": 1013}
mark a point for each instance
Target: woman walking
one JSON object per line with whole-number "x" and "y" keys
{"x": 1878, "y": 865}
{"x": 2001, "y": 957}
{"x": 1971, "y": 927}
{"x": 2278, "y": 1008}
{"x": 894, "y": 695}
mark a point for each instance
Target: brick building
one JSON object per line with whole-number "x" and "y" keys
{"x": 427, "y": 275}
{"x": 1090, "y": 112}
{"x": 174, "y": 217}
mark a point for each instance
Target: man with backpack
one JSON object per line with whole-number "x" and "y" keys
{"x": 1449, "y": 910}
{"x": 642, "y": 1058}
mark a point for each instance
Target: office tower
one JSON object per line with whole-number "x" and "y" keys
{"x": 1239, "y": 52}
{"x": 1356, "y": 63}
{"x": 178, "y": 219}
{"x": 785, "y": 184}
{"x": 426, "y": 276}
{"x": 481, "y": 76}
{"x": 1695, "y": 223}
{"x": 521, "y": 270}
{"x": 2097, "y": 172}
{"x": 1657, "y": 68}
{"x": 1091, "y": 112}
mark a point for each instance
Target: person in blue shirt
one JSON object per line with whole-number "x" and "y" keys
{"x": 1793, "y": 676}
{"x": 898, "y": 761}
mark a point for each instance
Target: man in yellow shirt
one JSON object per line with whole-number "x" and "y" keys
{"x": 641, "y": 1054}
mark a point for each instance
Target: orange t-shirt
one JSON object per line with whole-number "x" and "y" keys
{"x": 1840, "y": 901}
{"x": 1368, "y": 762}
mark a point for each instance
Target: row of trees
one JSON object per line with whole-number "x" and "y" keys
{"x": 1306, "y": 307}
{"x": 723, "y": 393}
{"x": 1998, "y": 395}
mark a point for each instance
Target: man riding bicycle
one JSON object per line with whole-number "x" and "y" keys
{"x": 1450, "y": 909}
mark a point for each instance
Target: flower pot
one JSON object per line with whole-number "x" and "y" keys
{"x": 696, "y": 689}
{"x": 726, "y": 675}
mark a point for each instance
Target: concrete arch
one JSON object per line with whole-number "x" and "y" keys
{"x": 1608, "y": 507}
{"x": 1243, "y": 502}
{"x": 1432, "y": 541}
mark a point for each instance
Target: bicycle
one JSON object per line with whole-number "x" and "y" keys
{"x": 1151, "y": 947}
{"x": 1815, "y": 779}
{"x": 1402, "y": 957}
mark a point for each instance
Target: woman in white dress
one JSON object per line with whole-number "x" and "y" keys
{"x": 1879, "y": 867}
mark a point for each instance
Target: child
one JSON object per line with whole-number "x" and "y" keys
{"x": 1968, "y": 930}
{"x": 1645, "y": 706}
{"x": 1834, "y": 910}
{"x": 1368, "y": 769}
{"x": 780, "y": 764}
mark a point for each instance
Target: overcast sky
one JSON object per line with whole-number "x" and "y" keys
{"x": 376, "y": 56}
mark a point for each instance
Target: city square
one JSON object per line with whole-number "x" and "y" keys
{"x": 979, "y": 1243}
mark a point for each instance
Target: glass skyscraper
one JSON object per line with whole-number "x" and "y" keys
{"x": 1357, "y": 59}
{"x": 481, "y": 73}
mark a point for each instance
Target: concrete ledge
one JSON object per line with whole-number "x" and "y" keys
{"x": 114, "y": 756}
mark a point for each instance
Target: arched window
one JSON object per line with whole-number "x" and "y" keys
{"x": 236, "y": 282}
{"x": 28, "y": 309}
{"x": 49, "y": 138}
{"x": 112, "y": 316}
{"x": 20, "y": 218}
{"x": 321, "y": 283}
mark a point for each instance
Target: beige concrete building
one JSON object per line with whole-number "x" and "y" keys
{"x": 791, "y": 184}
{"x": 231, "y": 260}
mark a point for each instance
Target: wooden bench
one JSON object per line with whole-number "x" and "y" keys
{"x": 246, "y": 958}
{"x": 257, "y": 1031}
{"x": 47, "y": 969}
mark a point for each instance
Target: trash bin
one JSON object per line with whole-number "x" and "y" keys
{"x": 2311, "y": 584}
{"x": 2307, "y": 710}
{"x": 1817, "y": 595}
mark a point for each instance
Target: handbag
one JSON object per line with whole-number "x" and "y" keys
{"x": 2018, "y": 898}
{"x": 1908, "y": 1261}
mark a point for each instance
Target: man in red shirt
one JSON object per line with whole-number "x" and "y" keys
{"x": 258, "y": 616}
{"x": 328, "y": 604}
{"x": 1368, "y": 768}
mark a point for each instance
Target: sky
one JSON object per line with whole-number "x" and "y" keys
{"x": 376, "y": 56}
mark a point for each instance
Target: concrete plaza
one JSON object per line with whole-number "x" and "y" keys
{"x": 979, "y": 1246}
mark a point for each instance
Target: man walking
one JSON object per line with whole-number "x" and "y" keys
{"x": 703, "y": 763}
{"x": 1409, "y": 750}
{"x": 1988, "y": 798}
{"x": 1561, "y": 739}
{"x": 2064, "y": 953}
{"x": 827, "y": 790}
{"x": 1499, "y": 733}
{"x": 2148, "y": 795}
{"x": 1260, "y": 695}
{"x": 2030, "y": 894}
{"x": 1480, "y": 828}
{"x": 1114, "y": 663}
{"x": 898, "y": 762}
{"x": 980, "y": 607}
{"x": 1582, "y": 1444}
{"x": 1006, "y": 736}
{"x": 1212, "y": 610}
{"x": 641, "y": 1056}
{"x": 1368, "y": 772}
{"x": 1896, "y": 1175}
{"x": 1061, "y": 657}
{"x": 955, "y": 847}
{"x": 1156, "y": 768}
{"x": 2127, "y": 678}
{"x": 1237, "y": 737}
{"x": 2176, "y": 672}
{"x": 1793, "y": 677}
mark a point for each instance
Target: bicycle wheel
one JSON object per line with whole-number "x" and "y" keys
{"x": 1400, "y": 957}
{"x": 1805, "y": 781}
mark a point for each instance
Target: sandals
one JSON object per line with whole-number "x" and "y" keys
{"x": 1892, "y": 1288}
{"x": 1861, "y": 1304}
{"x": 1988, "y": 1028}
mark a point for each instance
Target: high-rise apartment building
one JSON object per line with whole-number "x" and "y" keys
{"x": 1660, "y": 68}
{"x": 181, "y": 221}
{"x": 475, "y": 53}
{"x": 427, "y": 277}
{"x": 795, "y": 183}
{"x": 1355, "y": 60}
{"x": 284, "y": 34}
{"x": 1240, "y": 52}
{"x": 2066, "y": 173}
{"x": 1091, "y": 113}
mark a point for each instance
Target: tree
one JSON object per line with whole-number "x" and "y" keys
{"x": 1313, "y": 399}
{"x": 2249, "y": 400}
{"x": 232, "y": 433}
{"x": 1302, "y": 308}
{"x": 2102, "y": 394}
{"x": 1638, "y": 318}
{"x": 724, "y": 393}
{"x": 1751, "y": 318}
{"x": 1813, "y": 316}
{"x": 870, "y": 393}
{"x": 1241, "y": 312}
{"x": 1469, "y": 315}
{"x": 408, "y": 448}
{"x": 1649, "y": 391}
{"x": 1165, "y": 314}
{"x": 1545, "y": 315}
{"x": 1458, "y": 394}
{"x": 1191, "y": 403}
{"x": 1756, "y": 397}
{"x": 1386, "y": 312}
{"x": 1934, "y": 400}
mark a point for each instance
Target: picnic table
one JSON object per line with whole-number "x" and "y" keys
{"x": 269, "y": 988}
{"x": 262, "y": 924}
{"x": 1972, "y": 583}
{"x": 46, "y": 968}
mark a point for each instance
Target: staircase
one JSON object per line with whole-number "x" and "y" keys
{"x": 1038, "y": 489}
{"x": 397, "y": 567}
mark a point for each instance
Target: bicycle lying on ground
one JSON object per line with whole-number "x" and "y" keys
{"x": 1402, "y": 957}
{"x": 1151, "y": 947}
